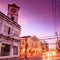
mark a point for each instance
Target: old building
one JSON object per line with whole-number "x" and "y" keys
{"x": 9, "y": 34}
{"x": 25, "y": 45}
{"x": 30, "y": 46}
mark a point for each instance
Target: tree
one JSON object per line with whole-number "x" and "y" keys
{"x": 45, "y": 46}
{"x": 58, "y": 45}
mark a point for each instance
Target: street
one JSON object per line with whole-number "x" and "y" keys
{"x": 39, "y": 58}
{"x": 43, "y": 57}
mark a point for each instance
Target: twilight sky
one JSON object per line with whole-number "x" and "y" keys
{"x": 36, "y": 17}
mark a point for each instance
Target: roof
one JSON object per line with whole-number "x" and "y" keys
{"x": 13, "y": 5}
{"x": 25, "y": 36}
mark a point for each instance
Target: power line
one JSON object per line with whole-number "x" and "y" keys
{"x": 50, "y": 38}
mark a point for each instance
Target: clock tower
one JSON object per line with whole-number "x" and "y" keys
{"x": 13, "y": 10}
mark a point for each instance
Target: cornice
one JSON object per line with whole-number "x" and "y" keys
{"x": 6, "y": 18}
{"x": 7, "y": 37}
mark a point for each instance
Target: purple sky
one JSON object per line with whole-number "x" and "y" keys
{"x": 35, "y": 16}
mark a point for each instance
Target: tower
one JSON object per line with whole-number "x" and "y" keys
{"x": 13, "y": 10}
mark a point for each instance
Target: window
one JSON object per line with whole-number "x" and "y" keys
{"x": 6, "y": 29}
{"x": 12, "y": 18}
{"x": 16, "y": 33}
{"x": 5, "y": 49}
{"x": 0, "y": 25}
{"x": 15, "y": 50}
{"x": 9, "y": 30}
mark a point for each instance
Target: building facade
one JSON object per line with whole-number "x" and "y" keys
{"x": 30, "y": 46}
{"x": 10, "y": 32}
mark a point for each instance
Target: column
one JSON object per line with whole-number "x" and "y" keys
{"x": 0, "y": 48}
{"x": 19, "y": 48}
{"x": 11, "y": 49}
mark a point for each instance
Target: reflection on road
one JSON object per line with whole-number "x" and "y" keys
{"x": 49, "y": 55}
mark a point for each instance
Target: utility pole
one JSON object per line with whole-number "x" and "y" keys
{"x": 55, "y": 17}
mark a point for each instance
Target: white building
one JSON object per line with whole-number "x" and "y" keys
{"x": 10, "y": 32}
